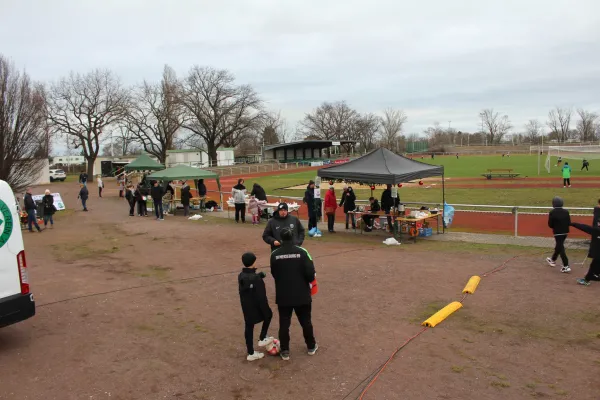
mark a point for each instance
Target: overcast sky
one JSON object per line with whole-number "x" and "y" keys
{"x": 439, "y": 60}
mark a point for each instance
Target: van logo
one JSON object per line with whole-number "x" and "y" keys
{"x": 6, "y": 223}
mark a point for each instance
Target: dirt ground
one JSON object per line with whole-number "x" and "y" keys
{"x": 133, "y": 308}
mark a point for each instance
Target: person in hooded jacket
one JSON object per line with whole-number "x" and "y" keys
{"x": 330, "y": 207}
{"x": 157, "y": 197}
{"x": 140, "y": 196}
{"x": 559, "y": 221}
{"x": 49, "y": 208}
{"x": 130, "y": 196}
{"x": 387, "y": 203}
{"x": 30, "y": 209}
{"x": 255, "y": 305}
{"x": 293, "y": 270}
{"x": 186, "y": 195}
{"x": 282, "y": 219}
{"x": 83, "y": 195}
{"x": 309, "y": 200}
{"x": 259, "y": 192}
{"x": 239, "y": 199}
{"x": 593, "y": 273}
{"x": 348, "y": 200}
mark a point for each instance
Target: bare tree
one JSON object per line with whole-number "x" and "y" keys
{"x": 220, "y": 112}
{"x": 533, "y": 130}
{"x": 366, "y": 128}
{"x": 436, "y": 135}
{"x": 83, "y": 106}
{"x": 392, "y": 125}
{"x": 494, "y": 125}
{"x": 156, "y": 115}
{"x": 121, "y": 142}
{"x": 331, "y": 121}
{"x": 23, "y": 130}
{"x": 586, "y": 126}
{"x": 559, "y": 121}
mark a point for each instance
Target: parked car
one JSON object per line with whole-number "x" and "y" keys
{"x": 57, "y": 175}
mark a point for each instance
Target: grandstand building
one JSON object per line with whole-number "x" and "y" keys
{"x": 304, "y": 151}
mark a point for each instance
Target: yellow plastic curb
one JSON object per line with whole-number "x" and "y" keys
{"x": 472, "y": 285}
{"x": 442, "y": 314}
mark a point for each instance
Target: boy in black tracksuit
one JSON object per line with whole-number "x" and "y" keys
{"x": 293, "y": 270}
{"x": 255, "y": 305}
{"x": 559, "y": 220}
{"x": 594, "y": 251}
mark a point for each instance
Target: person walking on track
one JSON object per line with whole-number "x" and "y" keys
{"x": 293, "y": 270}
{"x": 559, "y": 221}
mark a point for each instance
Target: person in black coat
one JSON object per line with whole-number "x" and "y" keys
{"x": 387, "y": 203}
{"x": 83, "y": 196}
{"x": 140, "y": 198}
{"x": 258, "y": 192}
{"x": 559, "y": 221}
{"x": 349, "y": 202}
{"x": 49, "y": 208}
{"x": 157, "y": 197}
{"x": 186, "y": 195}
{"x": 368, "y": 219}
{"x": 201, "y": 188}
{"x": 31, "y": 210}
{"x": 593, "y": 273}
{"x": 255, "y": 305}
{"x": 293, "y": 270}
{"x": 131, "y": 199}
{"x": 309, "y": 200}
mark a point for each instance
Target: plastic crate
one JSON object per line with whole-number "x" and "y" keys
{"x": 425, "y": 232}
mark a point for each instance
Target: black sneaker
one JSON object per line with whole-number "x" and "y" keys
{"x": 313, "y": 351}
{"x": 285, "y": 355}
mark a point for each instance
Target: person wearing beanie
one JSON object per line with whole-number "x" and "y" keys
{"x": 559, "y": 221}
{"x": 255, "y": 305}
{"x": 293, "y": 271}
{"x": 282, "y": 219}
{"x": 239, "y": 199}
{"x": 309, "y": 200}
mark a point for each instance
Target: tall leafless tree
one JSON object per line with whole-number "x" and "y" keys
{"x": 331, "y": 121}
{"x": 436, "y": 135}
{"x": 586, "y": 126}
{"x": 156, "y": 115}
{"x": 494, "y": 125}
{"x": 366, "y": 128}
{"x": 392, "y": 125}
{"x": 83, "y": 106}
{"x": 559, "y": 121}
{"x": 220, "y": 112}
{"x": 23, "y": 131}
{"x": 533, "y": 130}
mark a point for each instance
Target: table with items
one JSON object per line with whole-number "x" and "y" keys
{"x": 265, "y": 206}
{"x": 412, "y": 223}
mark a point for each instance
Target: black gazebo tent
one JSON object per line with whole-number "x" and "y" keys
{"x": 382, "y": 166}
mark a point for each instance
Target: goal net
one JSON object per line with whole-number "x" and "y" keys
{"x": 589, "y": 152}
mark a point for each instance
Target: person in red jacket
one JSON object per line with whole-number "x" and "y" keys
{"x": 330, "y": 207}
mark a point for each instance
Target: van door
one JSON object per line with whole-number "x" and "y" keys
{"x": 11, "y": 242}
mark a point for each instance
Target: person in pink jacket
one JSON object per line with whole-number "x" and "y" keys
{"x": 254, "y": 210}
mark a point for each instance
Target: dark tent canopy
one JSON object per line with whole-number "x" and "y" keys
{"x": 383, "y": 167}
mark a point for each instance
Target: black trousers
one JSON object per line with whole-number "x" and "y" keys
{"x": 559, "y": 249}
{"x": 368, "y": 220}
{"x": 330, "y": 222}
{"x": 585, "y": 166}
{"x": 100, "y": 191}
{"x": 566, "y": 181}
{"x": 131, "y": 207}
{"x": 312, "y": 221}
{"x": 142, "y": 208}
{"x": 249, "y": 333}
{"x": 594, "y": 271}
{"x": 303, "y": 313}
{"x": 240, "y": 209}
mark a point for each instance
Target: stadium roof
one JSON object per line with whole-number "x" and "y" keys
{"x": 306, "y": 144}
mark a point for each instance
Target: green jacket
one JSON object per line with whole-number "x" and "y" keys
{"x": 566, "y": 172}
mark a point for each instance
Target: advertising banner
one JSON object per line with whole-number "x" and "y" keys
{"x": 58, "y": 202}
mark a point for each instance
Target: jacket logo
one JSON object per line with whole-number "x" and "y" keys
{"x": 292, "y": 226}
{"x": 287, "y": 256}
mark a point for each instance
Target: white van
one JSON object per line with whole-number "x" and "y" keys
{"x": 16, "y": 299}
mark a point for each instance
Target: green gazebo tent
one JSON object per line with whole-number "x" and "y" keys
{"x": 144, "y": 163}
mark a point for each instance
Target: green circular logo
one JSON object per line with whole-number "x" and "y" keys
{"x": 6, "y": 223}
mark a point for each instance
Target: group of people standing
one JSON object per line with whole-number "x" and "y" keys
{"x": 239, "y": 192}
{"x": 348, "y": 201}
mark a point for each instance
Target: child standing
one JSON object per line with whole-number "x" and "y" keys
{"x": 253, "y": 209}
{"x": 559, "y": 220}
{"x": 255, "y": 305}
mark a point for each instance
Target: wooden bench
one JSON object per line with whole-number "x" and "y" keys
{"x": 500, "y": 173}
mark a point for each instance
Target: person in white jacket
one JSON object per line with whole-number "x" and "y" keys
{"x": 239, "y": 199}
{"x": 100, "y": 185}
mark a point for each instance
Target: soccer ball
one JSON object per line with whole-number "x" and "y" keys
{"x": 273, "y": 348}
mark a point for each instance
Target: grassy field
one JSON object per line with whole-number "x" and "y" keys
{"x": 470, "y": 167}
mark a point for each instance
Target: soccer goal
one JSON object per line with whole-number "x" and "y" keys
{"x": 588, "y": 152}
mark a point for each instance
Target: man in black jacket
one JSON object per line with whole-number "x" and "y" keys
{"x": 387, "y": 202}
{"x": 309, "y": 200}
{"x": 593, "y": 253}
{"x": 157, "y": 196}
{"x": 293, "y": 270}
{"x": 559, "y": 220}
{"x": 83, "y": 196}
{"x": 282, "y": 219}
{"x": 30, "y": 209}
